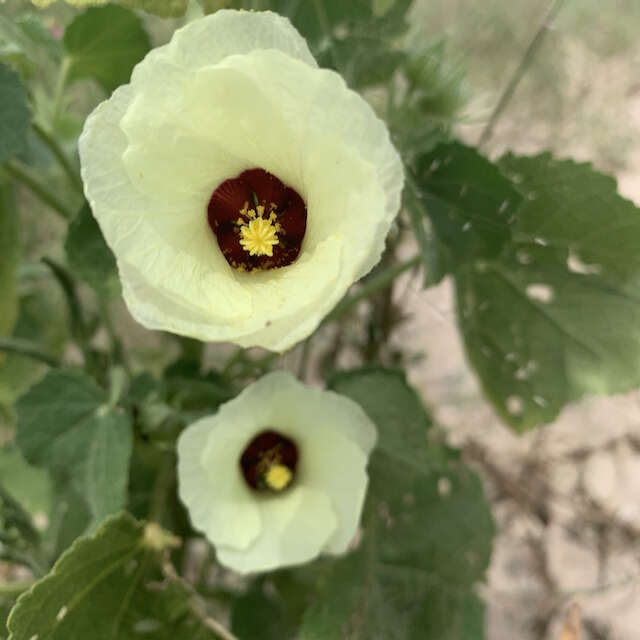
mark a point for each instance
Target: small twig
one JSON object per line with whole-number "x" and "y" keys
{"x": 377, "y": 283}
{"x": 522, "y": 68}
{"x": 24, "y": 175}
{"x": 52, "y": 144}
{"x": 78, "y": 327}
{"x": 28, "y": 349}
{"x": 197, "y": 603}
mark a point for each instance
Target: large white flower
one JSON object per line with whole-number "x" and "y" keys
{"x": 278, "y": 475}
{"x": 231, "y": 133}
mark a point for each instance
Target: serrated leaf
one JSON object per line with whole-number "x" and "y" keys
{"x": 557, "y": 314}
{"x": 470, "y": 203}
{"x": 427, "y": 532}
{"x": 105, "y": 43}
{"x": 30, "y": 486}
{"x": 65, "y": 424}
{"x": 14, "y": 114}
{"x": 106, "y": 587}
{"x": 88, "y": 255}
{"x": 163, "y": 8}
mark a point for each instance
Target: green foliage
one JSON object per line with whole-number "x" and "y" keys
{"x": 9, "y": 259}
{"x": 163, "y": 8}
{"x": 258, "y": 616}
{"x": 66, "y": 424}
{"x": 14, "y": 114}
{"x": 105, "y": 43}
{"x": 25, "y": 44}
{"x": 88, "y": 255}
{"x": 427, "y": 532}
{"x": 557, "y": 313}
{"x": 469, "y": 204}
{"x": 19, "y": 540}
{"x": 26, "y": 484}
{"x": 107, "y": 586}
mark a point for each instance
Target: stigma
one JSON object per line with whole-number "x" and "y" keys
{"x": 258, "y": 234}
{"x": 277, "y": 477}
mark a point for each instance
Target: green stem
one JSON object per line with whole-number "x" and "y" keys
{"x": 24, "y": 175}
{"x": 79, "y": 329}
{"x": 28, "y": 349}
{"x": 377, "y": 283}
{"x": 162, "y": 484}
{"x": 522, "y": 68}
{"x": 117, "y": 349}
{"x": 61, "y": 84}
{"x": 52, "y": 144}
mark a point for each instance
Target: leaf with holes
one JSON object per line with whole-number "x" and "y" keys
{"x": 470, "y": 204}
{"x": 66, "y": 425}
{"x": 557, "y": 314}
{"x": 427, "y": 532}
{"x": 109, "y": 586}
{"x": 105, "y": 43}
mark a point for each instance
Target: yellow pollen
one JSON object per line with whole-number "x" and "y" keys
{"x": 258, "y": 235}
{"x": 278, "y": 477}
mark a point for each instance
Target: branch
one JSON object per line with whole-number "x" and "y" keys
{"x": 522, "y": 68}
{"x": 28, "y": 349}
{"x": 24, "y": 175}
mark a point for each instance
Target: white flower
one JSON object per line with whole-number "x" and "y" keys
{"x": 278, "y": 475}
{"x": 232, "y": 92}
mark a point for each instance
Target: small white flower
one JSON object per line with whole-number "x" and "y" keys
{"x": 241, "y": 188}
{"x": 278, "y": 475}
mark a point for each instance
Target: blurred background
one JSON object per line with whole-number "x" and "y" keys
{"x": 566, "y": 497}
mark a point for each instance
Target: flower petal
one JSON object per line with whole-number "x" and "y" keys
{"x": 212, "y": 487}
{"x": 236, "y": 32}
{"x": 336, "y": 466}
{"x": 296, "y": 526}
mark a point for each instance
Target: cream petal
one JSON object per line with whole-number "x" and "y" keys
{"x": 298, "y": 410}
{"x": 295, "y": 527}
{"x": 324, "y": 114}
{"x": 236, "y": 32}
{"x": 335, "y": 465}
{"x": 211, "y": 485}
{"x": 268, "y": 108}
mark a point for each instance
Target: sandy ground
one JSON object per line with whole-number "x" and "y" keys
{"x": 566, "y": 498}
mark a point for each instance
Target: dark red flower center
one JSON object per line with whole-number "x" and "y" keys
{"x": 259, "y": 222}
{"x": 269, "y": 461}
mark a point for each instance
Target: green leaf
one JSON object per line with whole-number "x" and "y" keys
{"x": 469, "y": 203}
{"x": 557, "y": 314}
{"x": 14, "y": 114}
{"x": 89, "y": 257}
{"x": 28, "y": 485}
{"x": 257, "y": 616}
{"x": 105, "y": 43}
{"x": 427, "y": 532}
{"x": 9, "y": 258}
{"x": 19, "y": 539}
{"x": 66, "y": 425}
{"x": 107, "y": 586}
{"x": 163, "y": 8}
